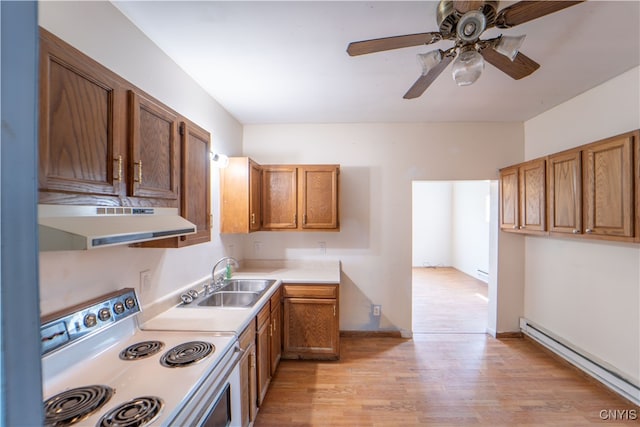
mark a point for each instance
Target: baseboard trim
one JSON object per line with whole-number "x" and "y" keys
{"x": 584, "y": 362}
{"x": 500, "y": 335}
{"x": 371, "y": 334}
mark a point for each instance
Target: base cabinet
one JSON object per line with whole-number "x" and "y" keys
{"x": 311, "y": 322}
{"x": 263, "y": 356}
{"x": 248, "y": 381}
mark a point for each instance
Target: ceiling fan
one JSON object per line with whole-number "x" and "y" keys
{"x": 464, "y": 22}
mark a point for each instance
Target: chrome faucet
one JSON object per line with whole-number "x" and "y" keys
{"x": 217, "y": 282}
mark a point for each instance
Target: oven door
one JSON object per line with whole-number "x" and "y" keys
{"x": 217, "y": 403}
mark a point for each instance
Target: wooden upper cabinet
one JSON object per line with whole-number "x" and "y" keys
{"x": 195, "y": 188}
{"x": 195, "y": 194}
{"x": 240, "y": 194}
{"x": 81, "y": 147}
{"x": 533, "y": 212}
{"x": 255, "y": 196}
{"x": 608, "y": 183}
{"x": 564, "y": 172}
{"x": 279, "y": 197}
{"x": 318, "y": 190}
{"x": 154, "y": 155}
{"x": 523, "y": 197}
{"x": 509, "y": 205}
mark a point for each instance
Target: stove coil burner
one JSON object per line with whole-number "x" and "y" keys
{"x": 134, "y": 413}
{"x": 186, "y": 354}
{"x": 141, "y": 350}
{"x": 72, "y": 406}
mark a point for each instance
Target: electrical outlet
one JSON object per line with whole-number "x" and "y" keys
{"x": 257, "y": 247}
{"x": 323, "y": 247}
{"x": 145, "y": 282}
{"x": 377, "y": 310}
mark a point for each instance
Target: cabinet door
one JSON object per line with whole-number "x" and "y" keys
{"x": 318, "y": 191}
{"x": 565, "y": 192}
{"x": 310, "y": 328}
{"x": 276, "y": 336}
{"x": 263, "y": 355}
{"x": 195, "y": 195}
{"x": 509, "y": 205}
{"x": 81, "y": 145}
{"x": 245, "y": 372}
{"x": 255, "y": 191}
{"x": 154, "y": 150}
{"x": 279, "y": 197}
{"x": 608, "y": 187}
{"x": 533, "y": 210}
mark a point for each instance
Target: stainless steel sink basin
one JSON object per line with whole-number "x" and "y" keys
{"x": 247, "y": 285}
{"x": 238, "y": 293}
{"x": 230, "y": 299}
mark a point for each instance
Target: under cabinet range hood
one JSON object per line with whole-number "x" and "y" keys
{"x": 68, "y": 227}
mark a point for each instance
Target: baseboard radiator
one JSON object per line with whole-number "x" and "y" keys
{"x": 605, "y": 375}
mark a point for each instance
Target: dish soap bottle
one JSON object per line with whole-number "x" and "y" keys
{"x": 228, "y": 272}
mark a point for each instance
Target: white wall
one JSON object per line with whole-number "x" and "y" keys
{"x": 432, "y": 223}
{"x": 379, "y": 163}
{"x": 586, "y": 292}
{"x": 471, "y": 227}
{"x": 451, "y": 225}
{"x": 102, "y": 32}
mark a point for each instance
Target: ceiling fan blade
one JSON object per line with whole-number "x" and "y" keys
{"x": 425, "y": 80}
{"x": 525, "y": 11}
{"x": 389, "y": 43}
{"x": 520, "y": 67}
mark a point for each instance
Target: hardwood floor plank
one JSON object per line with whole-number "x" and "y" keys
{"x": 454, "y": 376}
{"x": 438, "y": 380}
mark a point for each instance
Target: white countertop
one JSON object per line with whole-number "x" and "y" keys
{"x": 215, "y": 319}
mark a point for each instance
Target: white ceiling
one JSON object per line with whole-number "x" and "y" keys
{"x": 285, "y": 62}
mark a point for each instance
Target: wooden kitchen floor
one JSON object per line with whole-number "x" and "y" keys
{"x": 438, "y": 379}
{"x": 446, "y": 300}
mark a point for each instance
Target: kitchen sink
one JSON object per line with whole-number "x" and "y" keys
{"x": 238, "y": 293}
{"x": 230, "y": 299}
{"x": 247, "y": 285}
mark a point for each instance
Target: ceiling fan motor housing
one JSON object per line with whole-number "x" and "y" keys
{"x": 448, "y": 17}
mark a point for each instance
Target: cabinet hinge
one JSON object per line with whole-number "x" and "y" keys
{"x": 181, "y": 129}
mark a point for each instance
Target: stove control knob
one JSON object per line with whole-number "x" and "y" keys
{"x": 118, "y": 308}
{"x": 130, "y": 303}
{"x": 90, "y": 320}
{"x": 104, "y": 314}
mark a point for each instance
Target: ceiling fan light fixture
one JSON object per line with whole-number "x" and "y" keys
{"x": 471, "y": 25}
{"x": 429, "y": 60}
{"x": 509, "y": 46}
{"x": 467, "y": 67}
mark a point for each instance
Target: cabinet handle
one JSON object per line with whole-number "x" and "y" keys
{"x": 515, "y": 227}
{"x": 252, "y": 360}
{"x": 576, "y": 231}
{"x": 119, "y": 160}
{"x": 253, "y": 219}
{"x": 588, "y": 230}
{"x": 521, "y": 227}
{"x": 139, "y": 164}
{"x": 275, "y": 327}
{"x": 334, "y": 311}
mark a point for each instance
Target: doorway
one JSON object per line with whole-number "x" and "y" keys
{"x": 450, "y": 265}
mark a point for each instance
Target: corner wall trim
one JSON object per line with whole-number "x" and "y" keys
{"x": 607, "y": 376}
